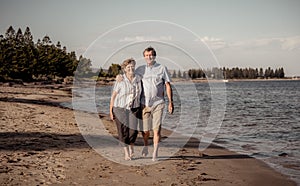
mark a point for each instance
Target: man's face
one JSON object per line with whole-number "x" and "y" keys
{"x": 149, "y": 57}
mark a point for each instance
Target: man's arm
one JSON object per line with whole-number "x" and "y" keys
{"x": 170, "y": 97}
{"x": 119, "y": 78}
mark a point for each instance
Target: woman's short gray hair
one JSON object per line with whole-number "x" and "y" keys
{"x": 127, "y": 62}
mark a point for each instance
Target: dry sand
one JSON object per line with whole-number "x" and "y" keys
{"x": 40, "y": 144}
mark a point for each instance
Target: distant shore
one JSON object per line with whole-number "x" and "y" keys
{"x": 231, "y": 80}
{"x": 111, "y": 81}
{"x": 40, "y": 144}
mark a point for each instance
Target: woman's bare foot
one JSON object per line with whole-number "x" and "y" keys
{"x": 127, "y": 158}
{"x": 126, "y": 152}
{"x": 131, "y": 151}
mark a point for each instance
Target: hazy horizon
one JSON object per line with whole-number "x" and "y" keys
{"x": 255, "y": 34}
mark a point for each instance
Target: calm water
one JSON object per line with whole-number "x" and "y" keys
{"x": 261, "y": 119}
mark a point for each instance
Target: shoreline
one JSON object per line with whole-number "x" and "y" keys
{"x": 175, "y": 80}
{"x": 180, "y": 80}
{"x": 42, "y": 144}
{"x": 110, "y": 81}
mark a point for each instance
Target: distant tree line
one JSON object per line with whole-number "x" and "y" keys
{"x": 233, "y": 73}
{"x": 113, "y": 71}
{"x": 214, "y": 73}
{"x": 21, "y": 58}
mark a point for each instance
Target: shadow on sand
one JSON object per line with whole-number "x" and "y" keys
{"x": 40, "y": 141}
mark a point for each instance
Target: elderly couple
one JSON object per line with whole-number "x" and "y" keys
{"x": 139, "y": 94}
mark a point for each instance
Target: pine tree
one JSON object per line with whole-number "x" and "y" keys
{"x": 28, "y": 38}
{"x": 261, "y": 73}
{"x": 174, "y": 74}
{"x": 184, "y": 75}
{"x": 179, "y": 74}
{"x": 20, "y": 58}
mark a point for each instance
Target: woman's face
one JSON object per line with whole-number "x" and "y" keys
{"x": 129, "y": 69}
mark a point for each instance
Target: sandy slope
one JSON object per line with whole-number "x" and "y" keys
{"x": 40, "y": 143}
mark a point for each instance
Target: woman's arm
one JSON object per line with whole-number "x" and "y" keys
{"x": 112, "y": 100}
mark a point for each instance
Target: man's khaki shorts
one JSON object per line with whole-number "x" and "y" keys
{"x": 152, "y": 117}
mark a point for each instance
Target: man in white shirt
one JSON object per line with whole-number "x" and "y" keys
{"x": 154, "y": 77}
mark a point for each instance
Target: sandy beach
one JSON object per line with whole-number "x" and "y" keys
{"x": 40, "y": 144}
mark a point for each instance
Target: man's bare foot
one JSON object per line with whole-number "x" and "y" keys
{"x": 154, "y": 156}
{"x": 145, "y": 151}
{"x": 155, "y": 152}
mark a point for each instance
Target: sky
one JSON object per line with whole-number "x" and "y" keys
{"x": 237, "y": 33}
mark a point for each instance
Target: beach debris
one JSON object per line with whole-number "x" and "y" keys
{"x": 283, "y": 154}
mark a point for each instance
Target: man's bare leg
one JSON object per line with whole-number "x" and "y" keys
{"x": 146, "y": 135}
{"x": 156, "y": 139}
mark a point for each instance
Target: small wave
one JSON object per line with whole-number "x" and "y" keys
{"x": 249, "y": 147}
{"x": 250, "y": 125}
{"x": 219, "y": 141}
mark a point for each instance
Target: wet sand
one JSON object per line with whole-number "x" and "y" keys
{"x": 40, "y": 144}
